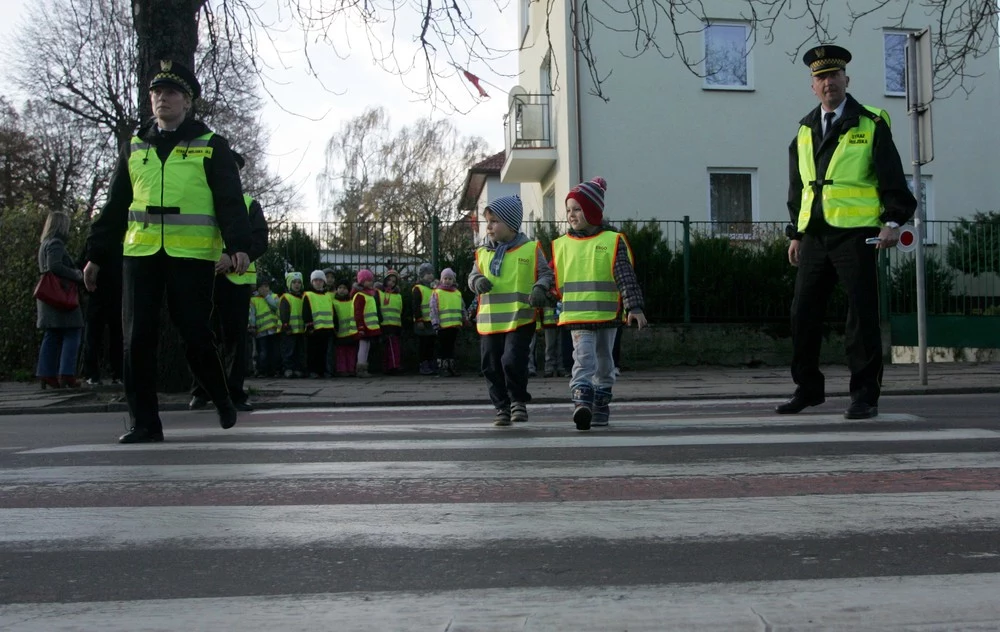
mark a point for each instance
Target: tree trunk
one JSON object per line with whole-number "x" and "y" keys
{"x": 164, "y": 29}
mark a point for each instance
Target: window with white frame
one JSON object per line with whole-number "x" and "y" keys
{"x": 728, "y": 63}
{"x": 732, "y": 200}
{"x": 894, "y": 47}
{"x": 549, "y": 206}
{"x": 525, "y": 18}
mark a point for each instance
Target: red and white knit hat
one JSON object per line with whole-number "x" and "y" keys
{"x": 590, "y": 197}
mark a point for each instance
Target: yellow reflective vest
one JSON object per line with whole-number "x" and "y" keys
{"x": 392, "y": 308}
{"x": 422, "y": 312}
{"x": 371, "y": 312}
{"x": 505, "y": 307}
{"x": 849, "y": 193}
{"x": 584, "y": 269}
{"x": 344, "y": 309}
{"x": 321, "y": 309}
{"x": 450, "y": 310}
{"x": 267, "y": 319}
{"x": 172, "y": 205}
{"x": 250, "y": 276}
{"x": 295, "y": 324}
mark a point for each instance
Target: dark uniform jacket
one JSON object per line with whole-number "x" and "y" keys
{"x": 221, "y": 173}
{"x": 897, "y": 201}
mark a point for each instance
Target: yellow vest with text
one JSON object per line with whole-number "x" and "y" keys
{"x": 346, "y": 325}
{"x": 449, "y": 307}
{"x": 505, "y": 307}
{"x": 250, "y": 276}
{"x": 266, "y": 319}
{"x": 295, "y": 324}
{"x": 849, "y": 193}
{"x": 321, "y": 308}
{"x": 392, "y": 308}
{"x": 585, "y": 277}
{"x": 191, "y": 232}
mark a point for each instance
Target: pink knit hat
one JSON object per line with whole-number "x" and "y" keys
{"x": 365, "y": 276}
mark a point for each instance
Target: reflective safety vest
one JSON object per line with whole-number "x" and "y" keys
{"x": 449, "y": 307}
{"x": 344, "y": 309}
{"x": 371, "y": 312}
{"x": 295, "y": 324}
{"x": 422, "y": 312}
{"x": 321, "y": 308}
{"x": 172, "y": 205}
{"x": 505, "y": 307}
{"x": 250, "y": 276}
{"x": 392, "y": 308}
{"x": 849, "y": 192}
{"x": 585, "y": 277}
{"x": 266, "y": 319}
{"x": 548, "y": 317}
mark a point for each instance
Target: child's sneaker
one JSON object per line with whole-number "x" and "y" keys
{"x": 600, "y": 416}
{"x": 518, "y": 412}
{"x": 502, "y": 418}
{"x": 582, "y": 416}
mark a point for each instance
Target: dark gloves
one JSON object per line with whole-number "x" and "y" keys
{"x": 538, "y": 297}
{"x": 483, "y": 285}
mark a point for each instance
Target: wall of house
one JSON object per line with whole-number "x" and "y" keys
{"x": 662, "y": 130}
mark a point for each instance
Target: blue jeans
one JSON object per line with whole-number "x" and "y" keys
{"x": 593, "y": 366}
{"x": 57, "y": 355}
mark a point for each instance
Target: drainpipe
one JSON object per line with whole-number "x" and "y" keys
{"x": 579, "y": 126}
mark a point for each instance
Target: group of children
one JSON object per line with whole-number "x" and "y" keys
{"x": 589, "y": 287}
{"x": 591, "y": 271}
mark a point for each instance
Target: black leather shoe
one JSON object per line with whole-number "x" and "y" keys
{"x": 227, "y": 414}
{"x": 197, "y": 403}
{"x": 860, "y": 410}
{"x": 797, "y": 404}
{"x": 141, "y": 435}
{"x": 243, "y": 406}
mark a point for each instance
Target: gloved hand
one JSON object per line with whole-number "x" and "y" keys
{"x": 483, "y": 285}
{"x": 537, "y": 298}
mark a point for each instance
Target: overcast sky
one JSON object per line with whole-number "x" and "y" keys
{"x": 303, "y": 115}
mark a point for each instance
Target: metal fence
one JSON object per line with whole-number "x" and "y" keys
{"x": 690, "y": 271}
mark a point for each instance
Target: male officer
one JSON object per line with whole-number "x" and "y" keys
{"x": 846, "y": 185}
{"x": 175, "y": 199}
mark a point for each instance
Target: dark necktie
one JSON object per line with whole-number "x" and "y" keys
{"x": 828, "y": 118}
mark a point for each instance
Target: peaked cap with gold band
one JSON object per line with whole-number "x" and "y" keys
{"x": 826, "y": 58}
{"x": 177, "y": 75}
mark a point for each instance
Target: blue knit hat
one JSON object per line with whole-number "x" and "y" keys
{"x": 508, "y": 210}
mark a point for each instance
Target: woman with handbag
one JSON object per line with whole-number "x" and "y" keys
{"x": 59, "y": 314}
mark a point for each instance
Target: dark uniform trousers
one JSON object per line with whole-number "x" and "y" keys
{"x": 230, "y": 316}
{"x": 823, "y": 259}
{"x": 188, "y": 284}
{"x": 505, "y": 365}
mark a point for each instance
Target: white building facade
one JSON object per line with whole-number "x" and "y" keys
{"x": 715, "y": 148}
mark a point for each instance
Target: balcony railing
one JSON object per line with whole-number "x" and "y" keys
{"x": 528, "y": 124}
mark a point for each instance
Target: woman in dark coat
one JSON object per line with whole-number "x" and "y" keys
{"x": 57, "y": 355}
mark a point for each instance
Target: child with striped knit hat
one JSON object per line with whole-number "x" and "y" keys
{"x": 510, "y": 278}
{"x": 596, "y": 280}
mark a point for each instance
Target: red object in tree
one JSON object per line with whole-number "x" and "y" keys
{"x": 474, "y": 80}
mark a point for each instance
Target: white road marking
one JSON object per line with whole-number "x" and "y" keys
{"x": 957, "y": 603}
{"x": 497, "y": 441}
{"x": 470, "y": 525}
{"x": 624, "y": 405}
{"x": 440, "y": 470}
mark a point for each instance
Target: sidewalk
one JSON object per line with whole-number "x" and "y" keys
{"x": 688, "y": 383}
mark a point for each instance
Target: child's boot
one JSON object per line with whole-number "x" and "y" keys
{"x": 583, "y": 404}
{"x": 519, "y": 412}
{"x": 452, "y": 371}
{"x": 602, "y": 409}
{"x": 502, "y": 417}
{"x": 363, "y": 370}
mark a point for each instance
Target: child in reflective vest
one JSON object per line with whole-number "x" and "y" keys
{"x": 447, "y": 318}
{"x": 421, "y": 302}
{"x": 368, "y": 317}
{"x": 346, "y": 327}
{"x": 265, "y": 326}
{"x": 595, "y": 278}
{"x": 293, "y": 329}
{"x": 317, "y": 314}
{"x": 390, "y": 302}
{"x": 510, "y": 279}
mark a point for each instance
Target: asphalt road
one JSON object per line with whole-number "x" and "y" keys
{"x": 696, "y": 515}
